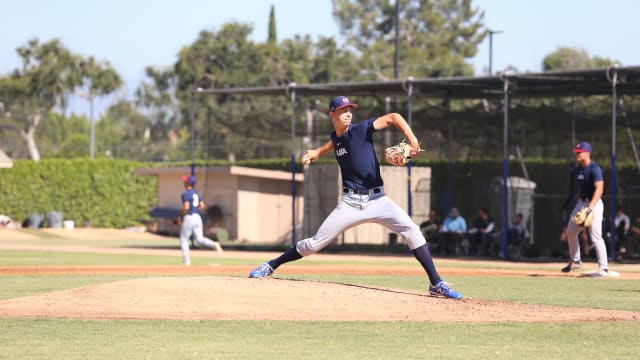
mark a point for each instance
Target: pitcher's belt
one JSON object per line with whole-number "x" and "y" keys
{"x": 376, "y": 190}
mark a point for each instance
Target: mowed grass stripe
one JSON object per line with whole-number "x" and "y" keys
{"x": 86, "y": 339}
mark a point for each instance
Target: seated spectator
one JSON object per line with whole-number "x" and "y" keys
{"x": 481, "y": 233}
{"x": 517, "y": 231}
{"x": 635, "y": 229}
{"x": 622, "y": 225}
{"x": 634, "y": 238}
{"x": 431, "y": 227}
{"x": 452, "y": 232}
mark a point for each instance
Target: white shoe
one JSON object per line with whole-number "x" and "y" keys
{"x": 600, "y": 273}
{"x": 186, "y": 262}
{"x": 218, "y": 248}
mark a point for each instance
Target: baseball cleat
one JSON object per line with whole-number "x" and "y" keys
{"x": 261, "y": 271}
{"x": 216, "y": 245}
{"x": 443, "y": 289}
{"x": 600, "y": 273}
{"x": 572, "y": 265}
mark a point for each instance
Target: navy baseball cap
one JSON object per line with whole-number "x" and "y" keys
{"x": 340, "y": 102}
{"x": 191, "y": 180}
{"x": 582, "y": 147}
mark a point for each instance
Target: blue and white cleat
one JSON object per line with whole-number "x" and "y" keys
{"x": 264, "y": 270}
{"x": 443, "y": 289}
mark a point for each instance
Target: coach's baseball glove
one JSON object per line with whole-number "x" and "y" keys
{"x": 400, "y": 154}
{"x": 583, "y": 217}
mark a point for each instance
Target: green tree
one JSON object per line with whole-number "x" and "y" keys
{"x": 155, "y": 97}
{"x": 436, "y": 36}
{"x": 61, "y": 136}
{"x": 125, "y": 132}
{"x": 570, "y": 58}
{"x": 240, "y": 126}
{"x": 50, "y": 73}
{"x": 273, "y": 38}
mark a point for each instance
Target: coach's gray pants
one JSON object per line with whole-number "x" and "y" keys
{"x": 595, "y": 233}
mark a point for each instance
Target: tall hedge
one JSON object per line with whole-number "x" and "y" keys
{"x": 104, "y": 192}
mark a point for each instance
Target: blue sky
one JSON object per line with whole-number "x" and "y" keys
{"x": 134, "y": 34}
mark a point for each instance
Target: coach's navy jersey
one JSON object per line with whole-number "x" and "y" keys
{"x": 356, "y": 156}
{"x": 193, "y": 198}
{"x": 586, "y": 179}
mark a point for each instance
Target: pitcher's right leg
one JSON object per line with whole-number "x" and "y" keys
{"x": 341, "y": 218}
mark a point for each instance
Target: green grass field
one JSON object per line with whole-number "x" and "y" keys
{"x": 37, "y": 338}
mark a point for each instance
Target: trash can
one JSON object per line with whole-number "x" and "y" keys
{"x": 393, "y": 239}
{"x": 35, "y": 220}
{"x": 520, "y": 196}
{"x": 54, "y": 219}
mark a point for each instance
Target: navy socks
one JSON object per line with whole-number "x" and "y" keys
{"x": 422, "y": 254}
{"x": 290, "y": 255}
{"x": 424, "y": 257}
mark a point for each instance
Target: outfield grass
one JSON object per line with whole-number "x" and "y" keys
{"x": 49, "y": 258}
{"x": 81, "y": 339}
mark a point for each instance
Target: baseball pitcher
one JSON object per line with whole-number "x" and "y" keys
{"x": 363, "y": 197}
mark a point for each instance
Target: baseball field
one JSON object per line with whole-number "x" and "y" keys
{"x": 104, "y": 293}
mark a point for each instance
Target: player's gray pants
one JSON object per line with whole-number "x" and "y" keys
{"x": 356, "y": 209}
{"x": 595, "y": 232}
{"x": 192, "y": 224}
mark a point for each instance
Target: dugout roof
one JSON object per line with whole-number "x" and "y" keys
{"x": 544, "y": 84}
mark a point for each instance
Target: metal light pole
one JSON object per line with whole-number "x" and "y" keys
{"x": 396, "y": 25}
{"x": 192, "y": 118}
{"x": 89, "y": 95}
{"x": 92, "y": 130}
{"x": 491, "y": 32}
{"x": 291, "y": 91}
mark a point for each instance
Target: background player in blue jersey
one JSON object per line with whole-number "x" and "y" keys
{"x": 190, "y": 220}
{"x": 590, "y": 187}
{"x": 363, "y": 197}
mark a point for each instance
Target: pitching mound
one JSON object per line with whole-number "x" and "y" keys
{"x": 235, "y": 298}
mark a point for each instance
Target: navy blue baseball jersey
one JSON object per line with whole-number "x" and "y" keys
{"x": 356, "y": 156}
{"x": 193, "y": 198}
{"x": 587, "y": 177}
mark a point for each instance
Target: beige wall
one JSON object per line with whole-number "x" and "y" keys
{"x": 256, "y": 203}
{"x": 221, "y": 190}
{"x": 265, "y": 205}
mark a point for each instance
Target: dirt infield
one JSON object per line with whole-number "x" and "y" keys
{"x": 235, "y": 298}
{"x": 215, "y": 294}
{"x": 157, "y": 296}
